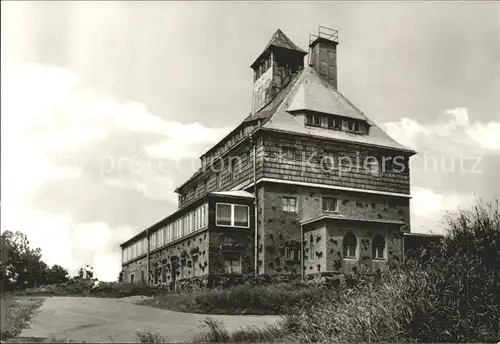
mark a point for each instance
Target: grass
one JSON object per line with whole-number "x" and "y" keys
{"x": 15, "y": 314}
{"x": 243, "y": 299}
{"x": 214, "y": 331}
{"x": 149, "y": 337}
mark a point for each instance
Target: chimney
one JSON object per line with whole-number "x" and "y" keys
{"x": 274, "y": 68}
{"x": 323, "y": 53}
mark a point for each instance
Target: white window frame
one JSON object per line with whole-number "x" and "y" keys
{"x": 232, "y": 215}
{"x": 336, "y": 204}
{"x": 296, "y": 204}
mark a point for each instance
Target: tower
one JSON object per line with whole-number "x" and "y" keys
{"x": 323, "y": 53}
{"x": 274, "y": 68}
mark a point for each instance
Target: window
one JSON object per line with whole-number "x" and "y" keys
{"x": 153, "y": 241}
{"x": 334, "y": 123}
{"x": 350, "y": 243}
{"x": 330, "y": 158}
{"x": 292, "y": 254}
{"x": 164, "y": 274}
{"x": 131, "y": 278}
{"x": 195, "y": 264}
{"x": 233, "y": 215}
{"x": 345, "y": 124}
{"x": 330, "y": 204}
{"x": 311, "y": 247}
{"x": 232, "y": 264}
{"x": 331, "y": 122}
{"x": 289, "y": 204}
{"x": 224, "y": 214}
{"x": 313, "y": 120}
{"x": 183, "y": 269}
{"x": 289, "y": 153}
{"x": 354, "y": 126}
{"x": 378, "y": 247}
{"x": 217, "y": 181}
{"x": 161, "y": 236}
{"x": 241, "y": 215}
{"x": 372, "y": 165}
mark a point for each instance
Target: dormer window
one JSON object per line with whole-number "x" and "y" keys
{"x": 314, "y": 120}
{"x": 334, "y": 123}
{"x": 354, "y": 126}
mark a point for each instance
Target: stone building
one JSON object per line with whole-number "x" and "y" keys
{"x": 306, "y": 185}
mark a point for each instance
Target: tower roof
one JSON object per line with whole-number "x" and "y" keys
{"x": 280, "y": 40}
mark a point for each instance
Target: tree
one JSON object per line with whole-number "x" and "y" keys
{"x": 21, "y": 265}
{"x": 57, "y": 274}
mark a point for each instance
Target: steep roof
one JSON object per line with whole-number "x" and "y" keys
{"x": 311, "y": 91}
{"x": 280, "y": 40}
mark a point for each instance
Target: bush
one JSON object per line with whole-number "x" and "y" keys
{"x": 457, "y": 295}
{"x": 242, "y": 299}
{"x": 80, "y": 287}
{"x": 116, "y": 289}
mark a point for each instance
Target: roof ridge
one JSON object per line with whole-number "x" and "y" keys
{"x": 281, "y": 40}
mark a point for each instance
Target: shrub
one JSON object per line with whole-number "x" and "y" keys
{"x": 456, "y": 297}
{"x": 149, "y": 337}
{"x": 242, "y": 299}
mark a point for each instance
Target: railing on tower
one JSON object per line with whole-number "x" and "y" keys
{"x": 324, "y": 33}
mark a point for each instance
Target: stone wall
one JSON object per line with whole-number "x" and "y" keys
{"x": 235, "y": 241}
{"x": 282, "y": 228}
{"x": 315, "y": 258}
{"x": 334, "y": 232}
{"x": 135, "y": 267}
{"x": 190, "y": 257}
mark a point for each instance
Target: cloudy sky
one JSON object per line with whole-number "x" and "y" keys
{"x": 107, "y": 106}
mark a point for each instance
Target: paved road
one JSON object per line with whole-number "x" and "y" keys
{"x": 115, "y": 320}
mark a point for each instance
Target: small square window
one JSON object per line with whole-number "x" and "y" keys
{"x": 289, "y": 204}
{"x": 330, "y": 204}
{"x": 232, "y": 264}
{"x": 289, "y": 153}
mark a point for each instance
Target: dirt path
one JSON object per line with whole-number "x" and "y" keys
{"x": 115, "y": 320}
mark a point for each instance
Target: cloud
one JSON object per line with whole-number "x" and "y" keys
{"x": 452, "y": 129}
{"x": 74, "y": 245}
{"x": 454, "y": 158}
{"x": 429, "y": 208}
{"x": 54, "y": 127}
